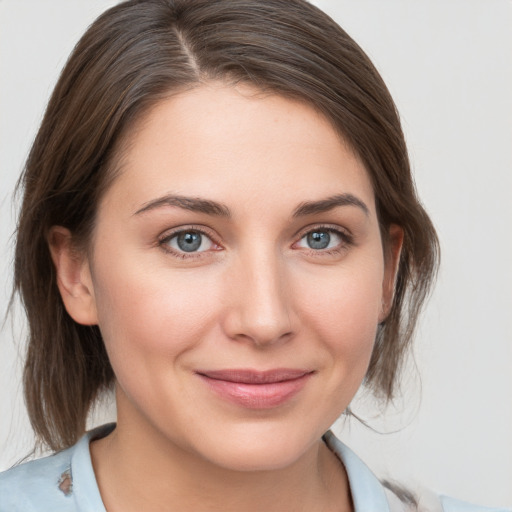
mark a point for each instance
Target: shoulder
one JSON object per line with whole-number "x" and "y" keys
{"x": 369, "y": 493}
{"x": 63, "y": 482}
{"x": 402, "y": 499}
{"x": 454, "y": 505}
{"x": 42, "y": 485}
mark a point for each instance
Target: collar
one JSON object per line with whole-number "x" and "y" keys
{"x": 367, "y": 492}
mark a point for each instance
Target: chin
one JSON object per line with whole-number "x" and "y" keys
{"x": 245, "y": 460}
{"x": 256, "y": 449}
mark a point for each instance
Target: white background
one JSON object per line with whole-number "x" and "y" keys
{"x": 448, "y": 65}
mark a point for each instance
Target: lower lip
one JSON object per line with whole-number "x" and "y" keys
{"x": 257, "y": 396}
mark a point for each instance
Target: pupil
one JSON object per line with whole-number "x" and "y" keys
{"x": 189, "y": 242}
{"x": 318, "y": 239}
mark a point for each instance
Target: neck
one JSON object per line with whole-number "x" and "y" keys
{"x": 139, "y": 469}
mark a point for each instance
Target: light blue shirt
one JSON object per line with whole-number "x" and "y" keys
{"x": 65, "y": 482}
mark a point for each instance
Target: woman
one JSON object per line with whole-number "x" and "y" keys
{"x": 219, "y": 221}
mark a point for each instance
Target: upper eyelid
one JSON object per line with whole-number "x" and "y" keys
{"x": 166, "y": 236}
{"x": 172, "y": 232}
{"x": 327, "y": 227}
{"x": 211, "y": 233}
{"x": 216, "y": 239}
{"x": 346, "y": 239}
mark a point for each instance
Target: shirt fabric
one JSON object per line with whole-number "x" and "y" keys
{"x": 65, "y": 482}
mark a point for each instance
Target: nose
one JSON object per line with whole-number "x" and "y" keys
{"x": 259, "y": 306}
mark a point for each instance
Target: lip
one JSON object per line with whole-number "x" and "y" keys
{"x": 254, "y": 389}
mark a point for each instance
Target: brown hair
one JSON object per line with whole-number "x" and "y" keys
{"x": 134, "y": 55}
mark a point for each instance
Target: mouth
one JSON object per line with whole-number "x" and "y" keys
{"x": 256, "y": 389}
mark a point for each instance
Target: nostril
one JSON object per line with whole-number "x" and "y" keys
{"x": 270, "y": 337}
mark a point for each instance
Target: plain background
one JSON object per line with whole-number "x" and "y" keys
{"x": 448, "y": 65}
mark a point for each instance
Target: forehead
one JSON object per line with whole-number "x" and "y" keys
{"x": 237, "y": 143}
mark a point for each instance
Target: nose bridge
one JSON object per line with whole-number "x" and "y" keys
{"x": 260, "y": 309}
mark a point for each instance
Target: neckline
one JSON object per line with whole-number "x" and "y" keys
{"x": 367, "y": 492}
{"x": 366, "y": 489}
{"x": 86, "y": 491}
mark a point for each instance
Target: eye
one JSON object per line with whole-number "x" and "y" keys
{"x": 189, "y": 241}
{"x": 322, "y": 239}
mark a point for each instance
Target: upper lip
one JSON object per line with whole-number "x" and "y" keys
{"x": 247, "y": 376}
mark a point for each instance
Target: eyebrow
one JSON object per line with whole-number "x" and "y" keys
{"x": 210, "y": 207}
{"x": 195, "y": 204}
{"x": 324, "y": 205}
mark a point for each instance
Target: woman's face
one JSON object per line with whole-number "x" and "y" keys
{"x": 237, "y": 276}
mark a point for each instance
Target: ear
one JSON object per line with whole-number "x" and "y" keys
{"x": 392, "y": 251}
{"x": 73, "y": 276}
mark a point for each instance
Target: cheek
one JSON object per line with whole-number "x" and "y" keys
{"x": 148, "y": 314}
{"x": 343, "y": 307}
{"x": 150, "y": 325}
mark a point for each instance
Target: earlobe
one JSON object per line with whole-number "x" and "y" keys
{"x": 73, "y": 276}
{"x": 391, "y": 264}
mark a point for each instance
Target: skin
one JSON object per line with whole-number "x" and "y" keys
{"x": 255, "y": 296}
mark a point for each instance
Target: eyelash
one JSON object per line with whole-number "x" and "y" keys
{"x": 164, "y": 240}
{"x": 347, "y": 240}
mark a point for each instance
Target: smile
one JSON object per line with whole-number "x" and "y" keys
{"x": 255, "y": 389}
